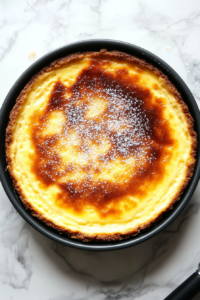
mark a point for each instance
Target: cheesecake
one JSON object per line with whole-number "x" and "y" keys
{"x": 99, "y": 145}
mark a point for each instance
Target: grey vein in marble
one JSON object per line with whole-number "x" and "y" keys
{"x": 15, "y": 259}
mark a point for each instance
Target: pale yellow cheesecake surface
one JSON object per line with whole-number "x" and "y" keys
{"x": 99, "y": 145}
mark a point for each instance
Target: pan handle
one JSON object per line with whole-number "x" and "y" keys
{"x": 188, "y": 289}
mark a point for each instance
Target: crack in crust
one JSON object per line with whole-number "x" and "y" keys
{"x": 9, "y": 138}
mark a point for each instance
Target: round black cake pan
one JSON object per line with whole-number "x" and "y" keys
{"x": 96, "y": 45}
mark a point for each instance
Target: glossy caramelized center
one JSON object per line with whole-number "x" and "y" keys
{"x": 103, "y": 140}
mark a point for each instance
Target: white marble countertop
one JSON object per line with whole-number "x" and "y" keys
{"x": 33, "y": 267}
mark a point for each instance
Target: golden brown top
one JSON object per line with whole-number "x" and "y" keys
{"x": 108, "y": 117}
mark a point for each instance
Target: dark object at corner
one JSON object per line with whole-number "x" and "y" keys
{"x": 188, "y": 289}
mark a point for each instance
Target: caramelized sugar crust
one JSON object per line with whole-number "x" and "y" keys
{"x": 108, "y": 118}
{"x": 130, "y": 125}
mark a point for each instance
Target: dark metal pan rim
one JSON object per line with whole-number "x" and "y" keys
{"x": 96, "y": 45}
